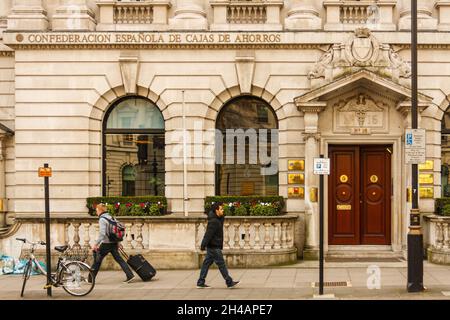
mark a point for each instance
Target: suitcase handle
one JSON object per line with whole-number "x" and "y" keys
{"x": 123, "y": 252}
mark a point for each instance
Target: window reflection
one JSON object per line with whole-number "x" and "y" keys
{"x": 246, "y": 179}
{"x": 134, "y": 149}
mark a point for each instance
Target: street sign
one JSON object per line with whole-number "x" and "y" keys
{"x": 322, "y": 166}
{"x": 44, "y": 172}
{"x": 415, "y": 146}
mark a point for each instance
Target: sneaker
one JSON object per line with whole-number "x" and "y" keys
{"x": 233, "y": 284}
{"x": 129, "y": 279}
{"x": 203, "y": 286}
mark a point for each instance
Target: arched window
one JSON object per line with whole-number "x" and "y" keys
{"x": 445, "y": 153}
{"x": 248, "y": 164}
{"x": 133, "y": 149}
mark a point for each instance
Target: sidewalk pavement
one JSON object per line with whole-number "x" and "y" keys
{"x": 280, "y": 283}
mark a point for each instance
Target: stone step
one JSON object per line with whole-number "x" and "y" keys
{"x": 364, "y": 255}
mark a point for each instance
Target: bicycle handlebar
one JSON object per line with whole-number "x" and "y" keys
{"x": 34, "y": 243}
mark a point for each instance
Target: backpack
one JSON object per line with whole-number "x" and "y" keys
{"x": 115, "y": 231}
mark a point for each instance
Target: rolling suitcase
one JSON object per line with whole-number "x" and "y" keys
{"x": 141, "y": 266}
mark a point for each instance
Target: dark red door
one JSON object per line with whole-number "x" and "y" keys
{"x": 359, "y": 207}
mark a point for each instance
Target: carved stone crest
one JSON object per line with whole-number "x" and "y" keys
{"x": 361, "y": 51}
{"x": 360, "y": 111}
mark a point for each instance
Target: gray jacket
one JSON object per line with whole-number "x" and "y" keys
{"x": 102, "y": 236}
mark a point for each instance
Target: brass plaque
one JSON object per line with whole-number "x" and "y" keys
{"x": 296, "y": 192}
{"x": 373, "y": 178}
{"x": 247, "y": 188}
{"x": 344, "y": 207}
{"x": 343, "y": 178}
{"x": 313, "y": 194}
{"x": 426, "y": 178}
{"x": 426, "y": 193}
{"x": 296, "y": 178}
{"x": 428, "y": 165}
{"x": 296, "y": 165}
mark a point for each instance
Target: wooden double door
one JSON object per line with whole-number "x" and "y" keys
{"x": 359, "y": 195}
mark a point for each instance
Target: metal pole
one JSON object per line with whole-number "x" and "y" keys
{"x": 321, "y": 233}
{"x": 47, "y": 234}
{"x": 185, "y": 189}
{"x": 415, "y": 237}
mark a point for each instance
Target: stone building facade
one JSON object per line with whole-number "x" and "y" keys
{"x": 336, "y": 75}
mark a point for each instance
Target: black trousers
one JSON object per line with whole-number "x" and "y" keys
{"x": 103, "y": 251}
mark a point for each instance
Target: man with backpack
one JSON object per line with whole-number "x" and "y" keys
{"x": 111, "y": 233}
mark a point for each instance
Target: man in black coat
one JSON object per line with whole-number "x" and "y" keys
{"x": 213, "y": 243}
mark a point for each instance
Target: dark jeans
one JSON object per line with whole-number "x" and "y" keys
{"x": 214, "y": 255}
{"x": 103, "y": 251}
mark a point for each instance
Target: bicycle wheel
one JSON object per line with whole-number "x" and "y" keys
{"x": 74, "y": 278}
{"x": 26, "y": 275}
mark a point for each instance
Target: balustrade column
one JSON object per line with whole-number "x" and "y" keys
{"x": 237, "y": 240}
{"x": 189, "y": 15}
{"x": 283, "y": 235}
{"x": 28, "y": 15}
{"x": 276, "y": 236}
{"x": 87, "y": 238}
{"x": 76, "y": 235}
{"x": 446, "y": 240}
{"x": 257, "y": 245}
{"x": 247, "y": 236}
{"x": 66, "y": 233}
{"x": 267, "y": 243}
{"x": 97, "y": 230}
{"x": 73, "y": 15}
{"x": 226, "y": 240}
{"x": 289, "y": 234}
{"x": 439, "y": 235}
{"x": 139, "y": 239}
{"x": 128, "y": 238}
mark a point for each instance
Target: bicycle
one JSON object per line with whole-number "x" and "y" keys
{"x": 75, "y": 277}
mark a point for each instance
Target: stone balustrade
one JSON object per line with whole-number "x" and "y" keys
{"x": 263, "y": 15}
{"x": 348, "y": 15}
{"x": 256, "y": 233}
{"x": 438, "y": 238}
{"x": 246, "y": 15}
{"x": 174, "y": 241}
{"x": 133, "y": 16}
{"x": 133, "y": 13}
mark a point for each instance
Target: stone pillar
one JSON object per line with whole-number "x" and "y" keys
{"x": 304, "y": 15}
{"x": 28, "y": 15}
{"x": 425, "y": 21}
{"x": 443, "y": 7}
{"x": 312, "y": 150}
{"x": 73, "y": 15}
{"x": 189, "y": 15}
{"x": 5, "y": 9}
